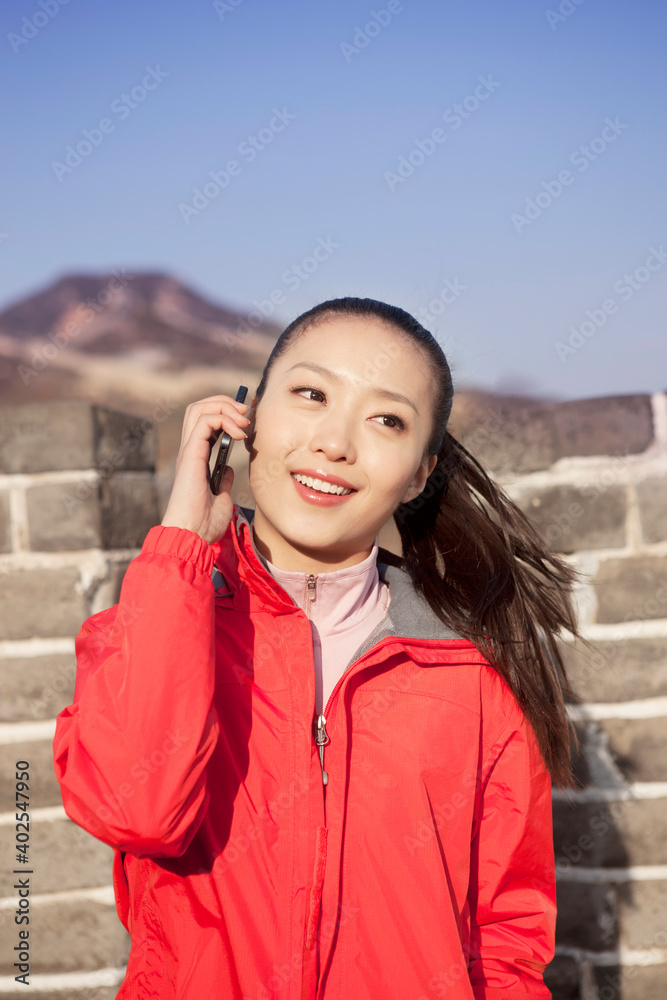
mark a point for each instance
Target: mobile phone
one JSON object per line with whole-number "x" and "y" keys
{"x": 222, "y": 461}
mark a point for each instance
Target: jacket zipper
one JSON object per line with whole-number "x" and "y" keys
{"x": 310, "y": 591}
{"x": 319, "y": 727}
{"x": 321, "y": 740}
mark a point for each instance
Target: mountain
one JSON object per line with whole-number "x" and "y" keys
{"x": 111, "y": 336}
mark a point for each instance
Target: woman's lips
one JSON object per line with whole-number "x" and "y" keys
{"x": 317, "y": 497}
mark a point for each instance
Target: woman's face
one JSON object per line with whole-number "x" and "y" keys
{"x": 338, "y": 421}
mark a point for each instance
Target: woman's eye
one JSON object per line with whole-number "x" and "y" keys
{"x": 397, "y": 424}
{"x": 307, "y": 388}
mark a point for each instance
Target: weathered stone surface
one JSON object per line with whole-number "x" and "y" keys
{"x": 639, "y": 747}
{"x": 632, "y": 589}
{"x": 652, "y": 497}
{"x": 44, "y": 787}
{"x": 5, "y": 523}
{"x": 123, "y": 442}
{"x": 41, "y": 602}
{"x": 570, "y": 519}
{"x": 631, "y": 982}
{"x": 129, "y": 509}
{"x": 643, "y": 914}
{"x": 562, "y": 977}
{"x": 63, "y": 856}
{"x": 586, "y": 915}
{"x": 63, "y": 516}
{"x": 515, "y": 435}
{"x": 72, "y": 434}
{"x": 113, "y": 513}
{"x": 71, "y": 936}
{"x": 36, "y": 687}
{"x": 607, "y": 425}
{"x": 617, "y": 670}
{"x": 612, "y": 834}
{"x": 506, "y": 435}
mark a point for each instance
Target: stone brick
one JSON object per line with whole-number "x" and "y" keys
{"x": 63, "y": 517}
{"x": 129, "y": 510}
{"x": 506, "y": 436}
{"x": 652, "y": 497}
{"x": 63, "y": 856}
{"x": 632, "y": 588}
{"x": 114, "y": 513}
{"x": 36, "y": 687}
{"x": 5, "y": 523}
{"x": 639, "y": 747}
{"x": 617, "y": 670}
{"x": 631, "y": 982}
{"x": 123, "y": 442}
{"x": 73, "y": 434}
{"x": 643, "y": 914}
{"x": 71, "y": 936}
{"x": 586, "y": 915}
{"x": 612, "y": 834}
{"x": 607, "y": 425}
{"x": 570, "y": 519}
{"x": 44, "y": 787}
{"x": 41, "y": 602}
{"x": 562, "y": 977}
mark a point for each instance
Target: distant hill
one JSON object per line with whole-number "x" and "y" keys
{"x": 61, "y": 340}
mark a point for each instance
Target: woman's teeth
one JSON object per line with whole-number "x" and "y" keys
{"x": 321, "y": 485}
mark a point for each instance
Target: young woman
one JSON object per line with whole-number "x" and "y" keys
{"x": 326, "y": 771}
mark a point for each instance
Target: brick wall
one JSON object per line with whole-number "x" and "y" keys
{"x": 77, "y": 496}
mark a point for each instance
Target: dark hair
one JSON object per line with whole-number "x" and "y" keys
{"x": 474, "y": 555}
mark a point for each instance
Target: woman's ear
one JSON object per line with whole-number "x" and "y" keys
{"x": 419, "y": 480}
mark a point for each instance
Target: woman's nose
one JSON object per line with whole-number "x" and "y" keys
{"x": 332, "y": 435}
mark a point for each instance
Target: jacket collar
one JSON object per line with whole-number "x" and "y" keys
{"x": 409, "y": 615}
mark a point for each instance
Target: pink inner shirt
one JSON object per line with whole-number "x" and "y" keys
{"x": 347, "y": 605}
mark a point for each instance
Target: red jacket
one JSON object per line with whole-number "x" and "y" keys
{"x": 423, "y": 869}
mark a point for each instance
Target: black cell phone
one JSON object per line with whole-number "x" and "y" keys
{"x": 222, "y": 461}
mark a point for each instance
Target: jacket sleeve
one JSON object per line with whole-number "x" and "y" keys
{"x": 130, "y": 752}
{"x": 512, "y": 894}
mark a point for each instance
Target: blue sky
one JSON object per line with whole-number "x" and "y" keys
{"x": 319, "y": 103}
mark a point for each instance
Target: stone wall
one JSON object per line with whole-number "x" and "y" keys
{"x": 77, "y": 497}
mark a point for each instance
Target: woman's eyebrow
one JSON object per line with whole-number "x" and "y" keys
{"x": 327, "y": 373}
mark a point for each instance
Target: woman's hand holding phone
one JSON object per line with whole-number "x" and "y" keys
{"x": 192, "y": 505}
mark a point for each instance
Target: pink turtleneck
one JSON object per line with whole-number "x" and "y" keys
{"x": 347, "y": 606}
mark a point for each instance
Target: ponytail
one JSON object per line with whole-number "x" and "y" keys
{"x": 486, "y": 573}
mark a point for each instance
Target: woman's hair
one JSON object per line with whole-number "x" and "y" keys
{"x": 474, "y": 555}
